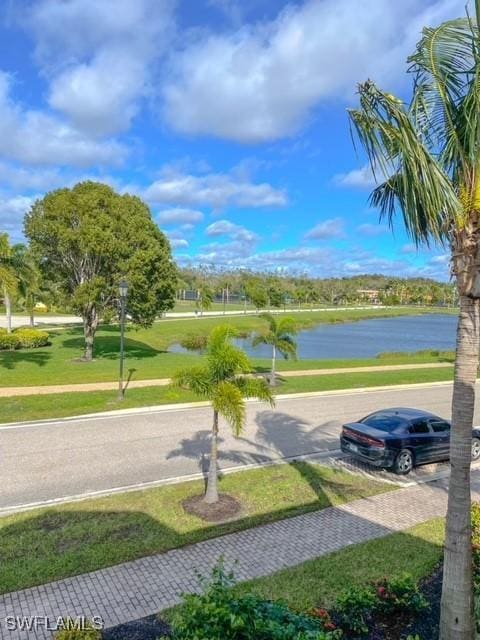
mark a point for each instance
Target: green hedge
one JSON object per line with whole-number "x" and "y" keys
{"x": 23, "y": 339}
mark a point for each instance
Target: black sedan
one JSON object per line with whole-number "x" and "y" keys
{"x": 400, "y": 439}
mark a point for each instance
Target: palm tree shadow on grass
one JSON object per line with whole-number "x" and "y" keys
{"x": 279, "y": 435}
{"x": 198, "y": 448}
{"x": 286, "y": 436}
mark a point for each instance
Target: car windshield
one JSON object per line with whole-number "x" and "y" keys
{"x": 384, "y": 422}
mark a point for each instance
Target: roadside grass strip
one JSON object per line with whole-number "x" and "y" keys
{"x": 43, "y": 545}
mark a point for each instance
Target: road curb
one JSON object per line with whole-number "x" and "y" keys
{"x": 183, "y": 406}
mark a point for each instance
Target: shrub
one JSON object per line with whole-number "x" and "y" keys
{"x": 356, "y": 606}
{"x": 194, "y": 342}
{"x": 78, "y": 629}
{"x": 31, "y": 338}
{"x": 476, "y": 561}
{"x": 399, "y": 594}
{"x": 353, "y": 609}
{"x": 217, "y": 614}
{"x": 9, "y": 341}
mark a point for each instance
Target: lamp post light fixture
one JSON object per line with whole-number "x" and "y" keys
{"x": 123, "y": 291}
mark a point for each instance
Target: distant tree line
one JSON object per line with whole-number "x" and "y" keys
{"x": 268, "y": 290}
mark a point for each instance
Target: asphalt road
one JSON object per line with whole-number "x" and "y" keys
{"x": 62, "y": 458}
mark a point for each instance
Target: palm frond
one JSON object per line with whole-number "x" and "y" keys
{"x": 287, "y": 326}
{"x": 444, "y": 65}
{"x": 229, "y": 403}
{"x": 255, "y": 387}
{"x": 219, "y": 336}
{"x": 287, "y": 347}
{"x": 270, "y": 318}
{"x": 224, "y": 363}
{"x": 196, "y": 379}
{"x": 415, "y": 182}
{"x": 8, "y": 279}
{"x": 262, "y": 338}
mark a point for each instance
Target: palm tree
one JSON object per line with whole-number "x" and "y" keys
{"x": 204, "y": 298}
{"x": 225, "y": 382}
{"x": 427, "y": 157}
{"x": 279, "y": 336}
{"x": 28, "y": 276}
{"x": 8, "y": 277}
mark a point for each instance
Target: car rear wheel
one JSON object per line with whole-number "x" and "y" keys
{"x": 475, "y": 448}
{"x": 403, "y": 462}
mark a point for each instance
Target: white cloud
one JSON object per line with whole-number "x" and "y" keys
{"x": 234, "y": 231}
{"x": 178, "y": 243}
{"x": 21, "y": 178}
{"x": 180, "y": 216}
{"x": 99, "y": 56}
{"x": 372, "y": 230}
{"x": 214, "y": 189}
{"x": 36, "y": 137}
{"x": 442, "y": 259}
{"x": 362, "y": 178}
{"x": 12, "y": 212}
{"x": 331, "y": 228}
{"x": 240, "y": 243}
{"x": 408, "y": 248}
{"x": 262, "y": 81}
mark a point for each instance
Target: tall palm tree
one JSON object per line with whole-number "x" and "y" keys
{"x": 225, "y": 382}
{"x": 8, "y": 277}
{"x": 427, "y": 157}
{"x": 279, "y": 335}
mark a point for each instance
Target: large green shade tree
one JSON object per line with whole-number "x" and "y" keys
{"x": 426, "y": 157}
{"x": 88, "y": 239}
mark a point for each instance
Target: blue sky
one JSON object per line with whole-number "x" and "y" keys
{"x": 227, "y": 116}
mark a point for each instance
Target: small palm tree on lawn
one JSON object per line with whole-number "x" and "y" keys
{"x": 8, "y": 277}
{"x": 280, "y": 336}
{"x": 225, "y": 382}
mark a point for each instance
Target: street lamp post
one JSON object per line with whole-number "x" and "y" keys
{"x": 123, "y": 290}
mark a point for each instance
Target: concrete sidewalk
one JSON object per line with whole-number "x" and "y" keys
{"x": 8, "y": 392}
{"x": 142, "y": 587}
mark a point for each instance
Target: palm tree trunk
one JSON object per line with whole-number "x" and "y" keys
{"x": 8, "y": 309}
{"x": 211, "y": 494}
{"x": 273, "y": 379}
{"x": 457, "y": 595}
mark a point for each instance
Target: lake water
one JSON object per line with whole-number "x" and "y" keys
{"x": 367, "y": 338}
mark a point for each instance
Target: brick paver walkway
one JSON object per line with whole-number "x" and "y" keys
{"x": 8, "y": 392}
{"x": 142, "y": 587}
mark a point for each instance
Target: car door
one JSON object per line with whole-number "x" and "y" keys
{"x": 420, "y": 440}
{"x": 441, "y": 438}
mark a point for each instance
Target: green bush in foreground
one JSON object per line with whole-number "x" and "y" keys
{"x": 72, "y": 630}
{"x": 217, "y": 614}
{"x": 23, "y": 339}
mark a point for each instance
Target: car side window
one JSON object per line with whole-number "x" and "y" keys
{"x": 439, "y": 426}
{"x": 419, "y": 426}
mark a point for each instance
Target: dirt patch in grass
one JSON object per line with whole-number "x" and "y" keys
{"x": 227, "y": 508}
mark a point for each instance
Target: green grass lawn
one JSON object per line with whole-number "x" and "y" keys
{"x": 319, "y": 582}
{"x": 146, "y": 350}
{"x": 60, "y": 405}
{"x": 49, "y": 544}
